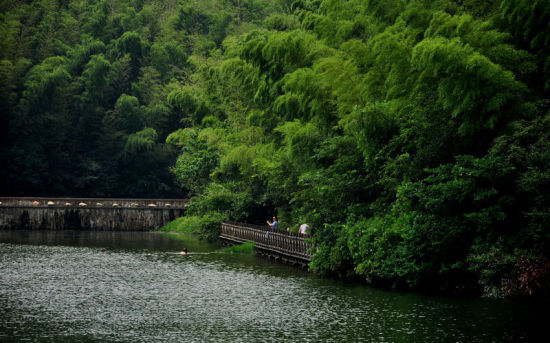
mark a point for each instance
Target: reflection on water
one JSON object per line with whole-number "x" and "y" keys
{"x": 70, "y": 286}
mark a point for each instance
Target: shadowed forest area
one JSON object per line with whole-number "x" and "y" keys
{"x": 413, "y": 136}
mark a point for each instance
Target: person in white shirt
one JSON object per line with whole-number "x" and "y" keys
{"x": 303, "y": 229}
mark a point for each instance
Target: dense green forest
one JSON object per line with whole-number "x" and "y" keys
{"x": 85, "y": 89}
{"x": 413, "y": 136}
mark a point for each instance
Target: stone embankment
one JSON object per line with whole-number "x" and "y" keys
{"x": 88, "y": 213}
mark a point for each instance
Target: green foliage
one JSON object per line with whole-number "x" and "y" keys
{"x": 127, "y": 115}
{"x": 187, "y": 224}
{"x": 445, "y": 210}
{"x": 529, "y": 23}
{"x": 206, "y": 226}
{"x": 281, "y": 22}
{"x": 245, "y": 248}
{"x": 42, "y": 83}
{"x": 473, "y": 89}
{"x": 526, "y": 149}
{"x": 188, "y": 103}
{"x": 84, "y": 82}
{"x": 143, "y": 140}
{"x": 96, "y": 79}
{"x": 195, "y": 163}
{"x": 192, "y": 20}
{"x": 169, "y": 59}
{"x": 219, "y": 199}
{"x": 402, "y": 132}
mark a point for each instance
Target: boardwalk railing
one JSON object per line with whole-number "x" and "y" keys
{"x": 286, "y": 244}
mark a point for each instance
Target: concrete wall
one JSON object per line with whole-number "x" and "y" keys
{"x": 88, "y": 214}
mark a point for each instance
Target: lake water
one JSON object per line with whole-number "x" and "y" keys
{"x": 70, "y": 286}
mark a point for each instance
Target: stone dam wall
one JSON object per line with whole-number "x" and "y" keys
{"x": 88, "y": 213}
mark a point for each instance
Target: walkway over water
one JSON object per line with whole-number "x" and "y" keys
{"x": 88, "y": 213}
{"x": 288, "y": 246}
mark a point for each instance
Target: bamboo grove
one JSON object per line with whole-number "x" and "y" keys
{"x": 413, "y": 136}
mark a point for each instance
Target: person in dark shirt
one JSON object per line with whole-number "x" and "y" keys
{"x": 274, "y": 226}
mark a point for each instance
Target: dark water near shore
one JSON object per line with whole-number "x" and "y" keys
{"x": 68, "y": 286}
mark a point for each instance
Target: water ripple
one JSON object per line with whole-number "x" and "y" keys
{"x": 54, "y": 293}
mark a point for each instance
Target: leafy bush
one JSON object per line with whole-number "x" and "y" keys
{"x": 245, "y": 248}
{"x": 207, "y": 226}
{"x": 187, "y": 224}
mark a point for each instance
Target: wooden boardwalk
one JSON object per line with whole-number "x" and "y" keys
{"x": 287, "y": 246}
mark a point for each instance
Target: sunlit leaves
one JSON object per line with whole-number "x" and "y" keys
{"x": 469, "y": 85}
{"x": 140, "y": 141}
{"x": 388, "y": 63}
{"x": 9, "y": 27}
{"x": 372, "y": 127}
{"x": 42, "y": 82}
{"x": 130, "y": 43}
{"x": 277, "y": 54}
{"x": 310, "y": 94}
{"x": 80, "y": 55}
{"x": 300, "y": 141}
{"x": 169, "y": 59}
{"x": 483, "y": 37}
{"x": 281, "y": 22}
{"x": 189, "y": 104}
{"x": 127, "y": 114}
{"x": 96, "y": 79}
{"x": 195, "y": 163}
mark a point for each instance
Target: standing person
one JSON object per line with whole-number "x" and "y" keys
{"x": 303, "y": 229}
{"x": 274, "y": 225}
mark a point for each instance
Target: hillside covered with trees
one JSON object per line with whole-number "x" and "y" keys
{"x": 84, "y": 90}
{"x": 413, "y": 136}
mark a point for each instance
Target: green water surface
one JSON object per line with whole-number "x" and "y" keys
{"x": 70, "y": 286}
